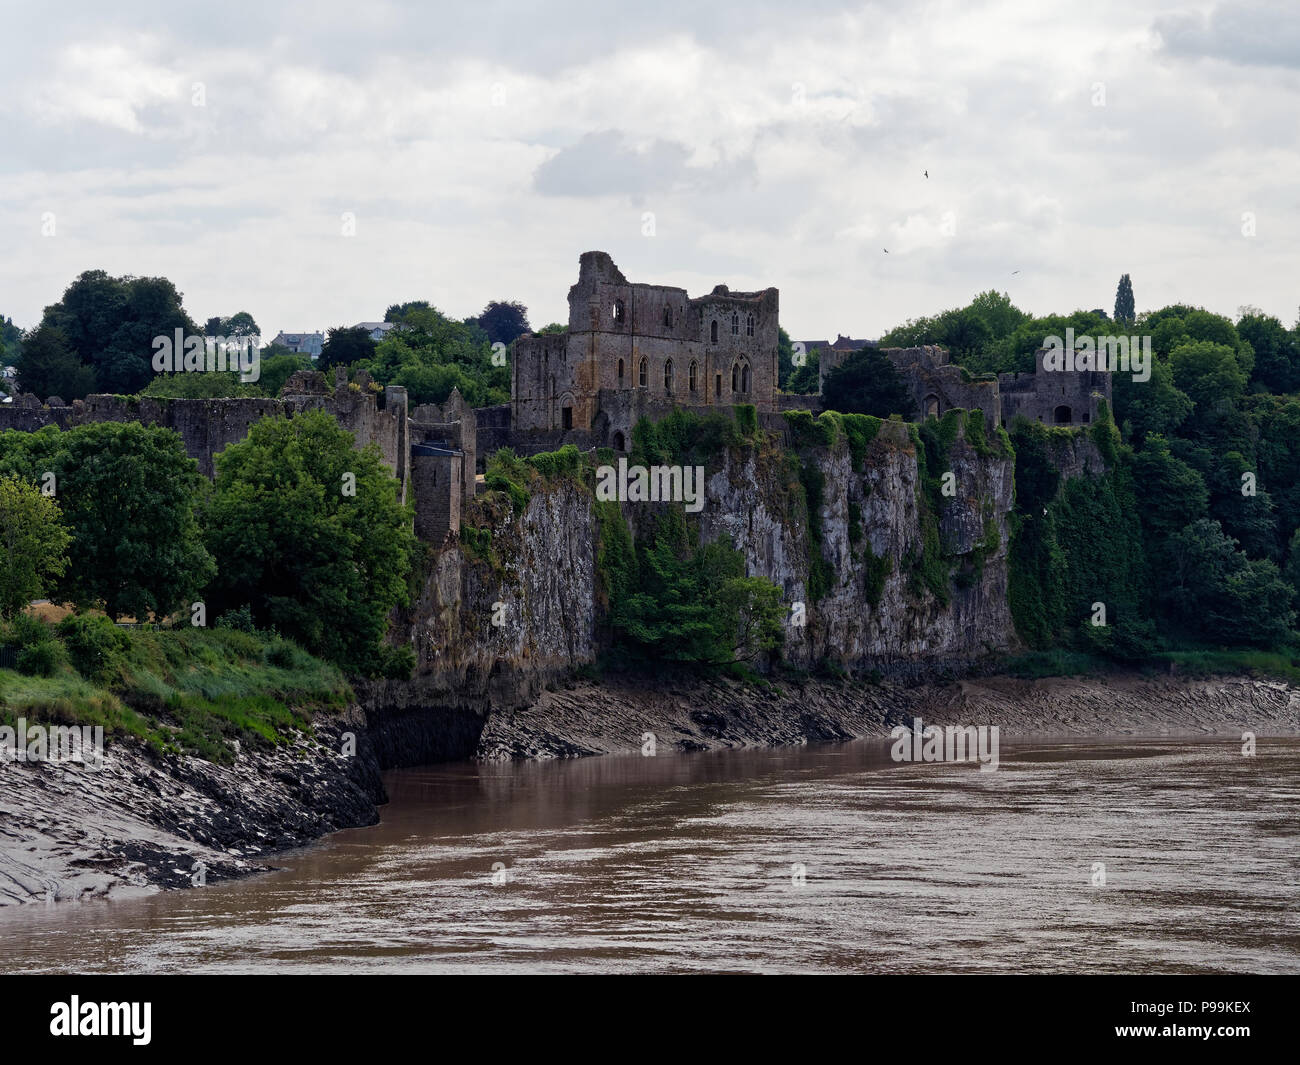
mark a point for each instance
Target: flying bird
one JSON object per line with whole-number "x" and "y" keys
{"x": 1014, "y": 272}
{"x": 927, "y": 173}
{"x": 886, "y": 250}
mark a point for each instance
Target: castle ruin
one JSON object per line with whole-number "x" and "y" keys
{"x": 637, "y": 350}
{"x": 629, "y": 351}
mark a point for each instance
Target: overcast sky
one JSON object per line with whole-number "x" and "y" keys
{"x": 482, "y": 147}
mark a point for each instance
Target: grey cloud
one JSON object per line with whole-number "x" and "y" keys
{"x": 603, "y": 164}
{"x": 1247, "y": 34}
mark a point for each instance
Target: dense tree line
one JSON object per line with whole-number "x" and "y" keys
{"x": 1193, "y": 537}
{"x": 99, "y": 338}
{"x": 302, "y": 533}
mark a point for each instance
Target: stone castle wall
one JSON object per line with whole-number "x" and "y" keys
{"x": 937, "y": 385}
{"x": 1055, "y": 397}
{"x": 208, "y": 426}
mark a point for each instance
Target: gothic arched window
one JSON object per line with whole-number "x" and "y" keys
{"x": 643, "y": 373}
{"x": 692, "y": 377}
{"x": 620, "y": 373}
{"x": 713, "y": 332}
{"x": 668, "y": 375}
{"x": 749, "y": 326}
{"x": 735, "y": 325}
{"x": 668, "y": 317}
{"x": 735, "y": 377}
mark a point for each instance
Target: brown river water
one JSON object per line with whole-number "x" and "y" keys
{"x": 819, "y": 859}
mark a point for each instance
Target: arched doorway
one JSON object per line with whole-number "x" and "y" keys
{"x": 1063, "y": 415}
{"x": 931, "y": 406}
{"x": 619, "y": 442}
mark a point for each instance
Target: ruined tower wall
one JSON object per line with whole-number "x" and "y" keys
{"x": 436, "y": 480}
{"x": 623, "y": 334}
{"x": 1054, "y": 397}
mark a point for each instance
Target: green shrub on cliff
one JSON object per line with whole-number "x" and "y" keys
{"x": 821, "y": 574}
{"x": 807, "y": 431}
{"x": 685, "y": 437}
{"x": 567, "y": 462}
{"x": 878, "y": 568}
{"x": 1074, "y": 545}
{"x": 861, "y": 430}
{"x": 673, "y": 599}
{"x": 507, "y": 472}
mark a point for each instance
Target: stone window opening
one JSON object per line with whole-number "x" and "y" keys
{"x": 566, "y": 418}
{"x": 735, "y": 377}
{"x": 668, "y": 317}
{"x": 735, "y": 324}
{"x": 1062, "y": 415}
{"x": 643, "y": 373}
{"x": 668, "y": 376}
{"x": 618, "y": 442}
{"x": 717, "y": 386}
{"x": 749, "y": 326}
{"x": 692, "y": 375}
{"x": 931, "y": 406}
{"x": 618, "y": 310}
{"x": 1086, "y": 416}
{"x": 620, "y": 373}
{"x": 744, "y": 377}
{"x": 713, "y": 332}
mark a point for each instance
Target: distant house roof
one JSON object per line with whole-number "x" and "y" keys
{"x": 304, "y": 343}
{"x": 843, "y": 343}
{"x": 370, "y": 327}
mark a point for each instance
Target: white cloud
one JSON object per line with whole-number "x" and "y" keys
{"x": 776, "y": 144}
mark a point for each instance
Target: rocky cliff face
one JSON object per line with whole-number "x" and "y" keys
{"x": 516, "y": 604}
{"x": 876, "y": 614}
{"x": 503, "y": 611}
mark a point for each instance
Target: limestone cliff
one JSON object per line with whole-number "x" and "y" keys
{"x": 876, "y": 613}
{"x": 891, "y": 575}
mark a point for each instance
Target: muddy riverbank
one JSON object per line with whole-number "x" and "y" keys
{"x": 144, "y": 823}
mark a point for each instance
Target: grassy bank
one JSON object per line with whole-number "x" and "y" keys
{"x": 182, "y": 690}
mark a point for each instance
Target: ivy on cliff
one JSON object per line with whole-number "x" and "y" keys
{"x": 1075, "y": 545}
